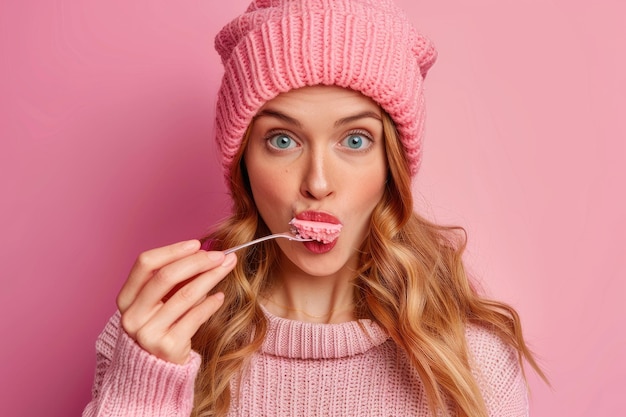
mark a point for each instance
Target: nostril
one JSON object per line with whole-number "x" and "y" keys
{"x": 317, "y": 193}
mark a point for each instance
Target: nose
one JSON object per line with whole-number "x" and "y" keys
{"x": 317, "y": 178}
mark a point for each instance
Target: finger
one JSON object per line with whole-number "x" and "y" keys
{"x": 168, "y": 333}
{"x": 147, "y": 263}
{"x": 188, "y": 325}
{"x": 174, "y": 343}
{"x": 192, "y": 293}
{"x": 149, "y": 300}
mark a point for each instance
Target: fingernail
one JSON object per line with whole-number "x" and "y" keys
{"x": 215, "y": 256}
{"x": 229, "y": 260}
{"x": 189, "y": 245}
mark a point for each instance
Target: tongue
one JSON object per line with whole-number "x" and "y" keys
{"x": 320, "y": 231}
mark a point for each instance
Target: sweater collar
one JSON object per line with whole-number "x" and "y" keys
{"x": 302, "y": 340}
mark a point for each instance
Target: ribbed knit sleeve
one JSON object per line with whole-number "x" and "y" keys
{"x": 498, "y": 372}
{"x": 131, "y": 382}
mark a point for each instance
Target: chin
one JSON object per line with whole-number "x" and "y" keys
{"x": 321, "y": 265}
{"x": 318, "y": 270}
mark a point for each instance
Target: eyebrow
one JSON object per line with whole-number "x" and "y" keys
{"x": 343, "y": 121}
{"x": 363, "y": 115}
{"x": 278, "y": 115}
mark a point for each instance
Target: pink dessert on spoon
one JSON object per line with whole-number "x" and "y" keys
{"x": 322, "y": 231}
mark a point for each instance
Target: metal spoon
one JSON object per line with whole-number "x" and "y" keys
{"x": 297, "y": 238}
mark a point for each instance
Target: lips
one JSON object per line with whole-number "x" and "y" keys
{"x": 319, "y": 247}
{"x": 317, "y": 216}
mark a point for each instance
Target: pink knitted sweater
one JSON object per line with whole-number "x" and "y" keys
{"x": 303, "y": 369}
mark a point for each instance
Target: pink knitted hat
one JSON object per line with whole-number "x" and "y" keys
{"x": 279, "y": 45}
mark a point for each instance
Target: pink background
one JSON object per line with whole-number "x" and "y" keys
{"x": 106, "y": 150}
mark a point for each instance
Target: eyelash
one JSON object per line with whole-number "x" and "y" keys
{"x": 272, "y": 134}
{"x": 360, "y": 132}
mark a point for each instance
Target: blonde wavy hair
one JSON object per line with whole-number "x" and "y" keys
{"x": 412, "y": 282}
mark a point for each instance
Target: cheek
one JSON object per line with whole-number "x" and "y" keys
{"x": 371, "y": 188}
{"x": 270, "y": 193}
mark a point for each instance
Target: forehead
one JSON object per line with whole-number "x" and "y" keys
{"x": 321, "y": 98}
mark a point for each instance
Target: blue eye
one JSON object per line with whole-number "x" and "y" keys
{"x": 281, "y": 141}
{"x": 357, "y": 141}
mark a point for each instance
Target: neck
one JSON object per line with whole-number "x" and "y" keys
{"x": 296, "y": 295}
{"x": 339, "y": 314}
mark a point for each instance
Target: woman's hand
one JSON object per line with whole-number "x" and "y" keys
{"x": 165, "y": 298}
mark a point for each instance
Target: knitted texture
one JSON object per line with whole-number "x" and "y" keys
{"x": 131, "y": 382}
{"x": 302, "y": 369}
{"x": 278, "y": 45}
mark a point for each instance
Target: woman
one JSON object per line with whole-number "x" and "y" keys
{"x": 319, "y": 123}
